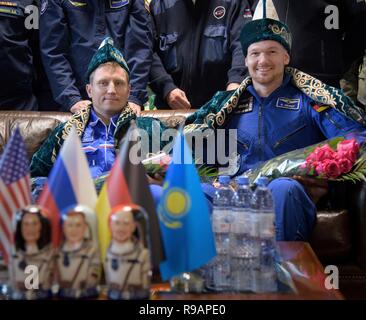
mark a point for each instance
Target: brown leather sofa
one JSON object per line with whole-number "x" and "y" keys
{"x": 340, "y": 234}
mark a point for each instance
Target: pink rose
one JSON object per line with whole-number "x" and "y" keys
{"x": 324, "y": 152}
{"x": 347, "y": 154}
{"x": 319, "y": 168}
{"x": 348, "y": 149}
{"x": 311, "y": 158}
{"x": 348, "y": 145}
{"x": 345, "y": 165}
{"x": 331, "y": 168}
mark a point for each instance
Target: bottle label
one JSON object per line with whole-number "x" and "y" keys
{"x": 220, "y": 220}
{"x": 267, "y": 229}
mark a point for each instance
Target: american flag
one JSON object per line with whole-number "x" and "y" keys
{"x": 15, "y": 191}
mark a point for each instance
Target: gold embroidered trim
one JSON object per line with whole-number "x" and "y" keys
{"x": 282, "y": 32}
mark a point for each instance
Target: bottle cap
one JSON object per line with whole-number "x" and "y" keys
{"x": 224, "y": 179}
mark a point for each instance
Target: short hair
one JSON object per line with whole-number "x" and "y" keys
{"x": 113, "y": 64}
{"x": 82, "y": 211}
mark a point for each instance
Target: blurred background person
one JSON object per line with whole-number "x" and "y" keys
{"x": 196, "y": 50}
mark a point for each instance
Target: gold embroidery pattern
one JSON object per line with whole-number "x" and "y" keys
{"x": 312, "y": 87}
{"x": 282, "y": 32}
{"x": 230, "y": 104}
{"x": 192, "y": 127}
{"x": 127, "y": 113}
{"x": 209, "y": 119}
{"x": 327, "y": 95}
{"x": 79, "y": 120}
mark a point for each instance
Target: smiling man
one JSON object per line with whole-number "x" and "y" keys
{"x": 276, "y": 110}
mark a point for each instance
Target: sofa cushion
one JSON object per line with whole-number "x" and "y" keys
{"x": 33, "y": 130}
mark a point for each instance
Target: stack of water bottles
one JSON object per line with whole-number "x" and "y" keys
{"x": 243, "y": 225}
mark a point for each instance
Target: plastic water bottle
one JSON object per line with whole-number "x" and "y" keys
{"x": 262, "y": 233}
{"x": 222, "y": 219}
{"x": 241, "y": 251}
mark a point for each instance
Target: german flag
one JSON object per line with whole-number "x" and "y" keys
{"x": 127, "y": 185}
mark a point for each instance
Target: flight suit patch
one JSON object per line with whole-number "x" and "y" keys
{"x": 320, "y": 107}
{"x": 289, "y": 104}
{"x": 245, "y": 107}
{"x": 115, "y": 4}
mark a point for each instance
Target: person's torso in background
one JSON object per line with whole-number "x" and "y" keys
{"x": 16, "y": 57}
{"x": 193, "y": 43}
{"x": 89, "y": 23}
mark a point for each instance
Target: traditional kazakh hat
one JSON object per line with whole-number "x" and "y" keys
{"x": 265, "y": 26}
{"x": 107, "y": 52}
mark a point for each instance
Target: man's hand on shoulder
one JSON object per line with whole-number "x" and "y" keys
{"x": 177, "y": 99}
{"x": 135, "y": 108}
{"x": 315, "y": 188}
{"x": 80, "y": 105}
{"x": 232, "y": 86}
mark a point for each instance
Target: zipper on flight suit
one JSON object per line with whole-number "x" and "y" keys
{"x": 338, "y": 126}
{"x": 260, "y": 129}
{"x": 282, "y": 140}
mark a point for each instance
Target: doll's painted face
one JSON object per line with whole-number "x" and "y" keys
{"x": 31, "y": 228}
{"x": 74, "y": 227}
{"x": 122, "y": 226}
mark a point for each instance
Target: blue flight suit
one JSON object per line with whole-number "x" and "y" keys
{"x": 282, "y": 122}
{"x": 71, "y": 32}
{"x": 16, "y": 57}
{"x": 98, "y": 145}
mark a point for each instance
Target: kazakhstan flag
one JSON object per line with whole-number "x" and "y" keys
{"x": 184, "y": 216}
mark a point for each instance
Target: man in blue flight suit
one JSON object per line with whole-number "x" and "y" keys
{"x": 197, "y": 50}
{"x": 16, "y": 57}
{"x": 275, "y": 110}
{"x": 70, "y": 33}
{"x": 101, "y": 125}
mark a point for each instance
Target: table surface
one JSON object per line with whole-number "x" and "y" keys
{"x": 299, "y": 260}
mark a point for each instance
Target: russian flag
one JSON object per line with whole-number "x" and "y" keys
{"x": 69, "y": 183}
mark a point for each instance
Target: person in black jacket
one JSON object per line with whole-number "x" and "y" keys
{"x": 16, "y": 57}
{"x": 197, "y": 50}
{"x": 325, "y": 34}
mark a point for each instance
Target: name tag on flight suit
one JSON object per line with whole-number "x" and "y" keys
{"x": 289, "y": 104}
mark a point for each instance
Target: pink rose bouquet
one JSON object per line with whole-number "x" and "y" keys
{"x": 336, "y": 159}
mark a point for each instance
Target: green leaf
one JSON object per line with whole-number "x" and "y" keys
{"x": 334, "y": 142}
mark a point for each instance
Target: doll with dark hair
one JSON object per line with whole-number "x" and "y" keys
{"x": 33, "y": 255}
{"x": 78, "y": 262}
